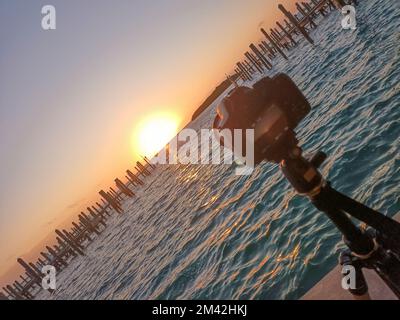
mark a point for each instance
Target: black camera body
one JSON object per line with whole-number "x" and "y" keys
{"x": 273, "y": 108}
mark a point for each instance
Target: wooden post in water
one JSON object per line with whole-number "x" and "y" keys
{"x": 130, "y": 181}
{"x": 77, "y": 227}
{"x": 41, "y": 262}
{"x": 271, "y": 51}
{"x": 244, "y": 71}
{"x": 273, "y": 37}
{"x": 103, "y": 209}
{"x": 123, "y": 188}
{"x": 3, "y": 296}
{"x": 148, "y": 162}
{"x": 64, "y": 246}
{"x": 294, "y": 21}
{"x": 59, "y": 258}
{"x": 134, "y": 178}
{"x": 309, "y": 9}
{"x": 321, "y": 10}
{"x": 70, "y": 242}
{"x": 69, "y": 236}
{"x": 21, "y": 289}
{"x": 339, "y": 4}
{"x": 115, "y": 194}
{"x": 276, "y": 37}
{"x": 254, "y": 62}
{"x": 265, "y": 52}
{"x": 113, "y": 202}
{"x": 48, "y": 261}
{"x": 37, "y": 277}
{"x": 240, "y": 74}
{"x": 24, "y": 280}
{"x": 143, "y": 168}
{"x": 88, "y": 223}
{"x": 260, "y": 56}
{"x": 287, "y": 34}
{"x": 306, "y": 16}
{"x": 249, "y": 66}
{"x": 97, "y": 217}
{"x": 15, "y": 293}
{"x": 274, "y": 43}
{"x": 100, "y": 213}
{"x": 9, "y": 293}
{"x": 263, "y": 49}
{"x": 291, "y": 29}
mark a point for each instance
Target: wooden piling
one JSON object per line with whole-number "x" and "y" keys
{"x": 260, "y": 56}
{"x": 240, "y": 74}
{"x": 244, "y": 71}
{"x": 148, "y": 162}
{"x": 70, "y": 242}
{"x": 269, "y": 48}
{"x": 294, "y": 21}
{"x": 254, "y": 62}
{"x": 276, "y": 37}
{"x": 96, "y": 217}
{"x": 9, "y": 293}
{"x": 288, "y": 35}
{"x": 15, "y": 293}
{"x": 36, "y": 269}
{"x": 56, "y": 257}
{"x": 274, "y": 43}
{"x": 103, "y": 209}
{"x": 77, "y": 227}
{"x": 3, "y": 296}
{"x": 100, "y": 213}
{"x": 134, "y": 178}
{"x": 123, "y": 188}
{"x": 88, "y": 223}
{"x": 143, "y": 168}
{"x": 113, "y": 203}
{"x": 306, "y": 16}
{"x": 115, "y": 194}
{"x": 249, "y": 66}
{"x": 69, "y": 235}
{"x": 32, "y": 273}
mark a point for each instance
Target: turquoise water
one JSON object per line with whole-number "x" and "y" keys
{"x": 200, "y": 232}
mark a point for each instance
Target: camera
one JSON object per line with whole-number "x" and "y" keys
{"x": 273, "y": 107}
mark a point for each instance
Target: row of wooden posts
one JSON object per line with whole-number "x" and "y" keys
{"x": 72, "y": 243}
{"x": 285, "y": 35}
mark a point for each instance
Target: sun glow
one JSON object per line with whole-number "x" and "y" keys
{"x": 154, "y": 132}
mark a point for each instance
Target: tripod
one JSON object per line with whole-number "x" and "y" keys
{"x": 377, "y": 248}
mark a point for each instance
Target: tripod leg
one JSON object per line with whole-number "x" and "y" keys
{"x": 354, "y": 281}
{"x": 373, "y": 218}
{"x": 385, "y": 260}
{"x": 355, "y": 239}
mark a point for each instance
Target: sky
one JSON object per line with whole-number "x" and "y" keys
{"x": 70, "y": 98}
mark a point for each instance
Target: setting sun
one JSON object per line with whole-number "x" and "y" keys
{"x": 154, "y": 132}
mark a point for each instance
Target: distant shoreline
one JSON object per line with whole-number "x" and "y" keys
{"x": 213, "y": 96}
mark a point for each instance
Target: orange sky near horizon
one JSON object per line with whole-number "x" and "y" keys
{"x": 75, "y": 134}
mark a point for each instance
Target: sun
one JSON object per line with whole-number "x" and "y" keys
{"x": 154, "y": 132}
